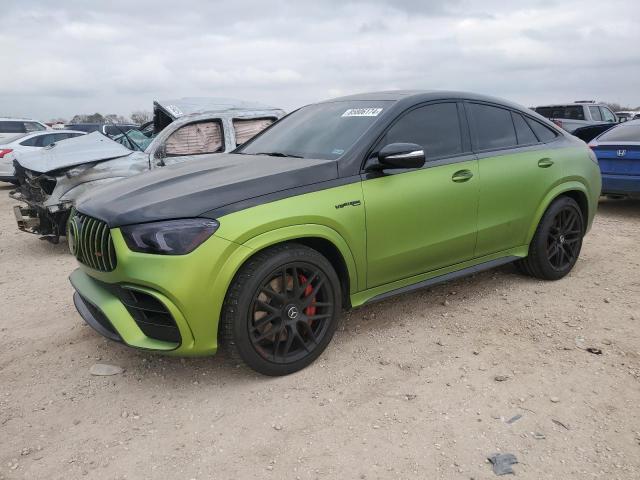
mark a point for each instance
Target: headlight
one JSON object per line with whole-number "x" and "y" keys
{"x": 173, "y": 237}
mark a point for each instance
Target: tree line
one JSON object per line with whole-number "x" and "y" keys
{"x": 138, "y": 117}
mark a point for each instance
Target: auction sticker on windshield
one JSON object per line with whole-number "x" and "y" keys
{"x": 362, "y": 112}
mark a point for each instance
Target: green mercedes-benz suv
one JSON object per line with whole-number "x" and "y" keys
{"x": 338, "y": 204}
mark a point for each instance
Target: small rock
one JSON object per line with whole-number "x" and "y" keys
{"x": 277, "y": 427}
{"x": 445, "y": 303}
{"x": 606, "y": 341}
{"x": 410, "y": 396}
{"x": 554, "y": 399}
{"x": 606, "y": 300}
{"x": 501, "y": 378}
{"x": 538, "y": 436}
{"x": 105, "y": 370}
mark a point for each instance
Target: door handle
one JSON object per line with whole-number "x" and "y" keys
{"x": 462, "y": 176}
{"x": 545, "y": 162}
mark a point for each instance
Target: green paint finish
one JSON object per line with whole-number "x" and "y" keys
{"x": 420, "y": 221}
{"x": 321, "y": 214}
{"x": 392, "y": 231}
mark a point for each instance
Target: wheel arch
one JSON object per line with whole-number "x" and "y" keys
{"x": 575, "y": 190}
{"x": 323, "y": 239}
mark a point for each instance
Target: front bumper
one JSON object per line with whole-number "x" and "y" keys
{"x": 188, "y": 290}
{"x": 620, "y": 184}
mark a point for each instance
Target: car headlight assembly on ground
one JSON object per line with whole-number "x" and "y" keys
{"x": 336, "y": 205}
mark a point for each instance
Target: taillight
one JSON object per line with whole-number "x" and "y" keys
{"x": 4, "y": 151}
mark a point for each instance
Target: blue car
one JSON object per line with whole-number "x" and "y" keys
{"x": 618, "y": 152}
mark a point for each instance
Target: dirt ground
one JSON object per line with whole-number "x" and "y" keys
{"x": 421, "y": 386}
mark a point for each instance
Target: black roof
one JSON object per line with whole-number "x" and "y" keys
{"x": 419, "y": 96}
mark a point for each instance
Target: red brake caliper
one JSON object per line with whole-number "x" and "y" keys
{"x": 310, "y": 310}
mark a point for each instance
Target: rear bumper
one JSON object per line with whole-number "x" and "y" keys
{"x": 620, "y": 184}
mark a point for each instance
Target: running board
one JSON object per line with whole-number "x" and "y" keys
{"x": 444, "y": 278}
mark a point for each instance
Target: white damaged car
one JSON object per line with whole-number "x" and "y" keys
{"x": 51, "y": 179}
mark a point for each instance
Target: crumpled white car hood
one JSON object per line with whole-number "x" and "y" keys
{"x": 89, "y": 148}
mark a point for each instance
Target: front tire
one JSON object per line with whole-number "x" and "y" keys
{"x": 557, "y": 242}
{"x": 281, "y": 309}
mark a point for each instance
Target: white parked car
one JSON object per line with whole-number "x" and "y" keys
{"x": 26, "y": 143}
{"x": 12, "y": 127}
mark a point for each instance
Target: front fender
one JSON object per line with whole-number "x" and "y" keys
{"x": 293, "y": 232}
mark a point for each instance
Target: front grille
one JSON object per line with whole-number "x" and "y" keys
{"x": 90, "y": 241}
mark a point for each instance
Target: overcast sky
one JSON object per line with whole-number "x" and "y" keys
{"x": 65, "y": 57}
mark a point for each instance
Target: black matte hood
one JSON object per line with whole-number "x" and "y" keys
{"x": 195, "y": 187}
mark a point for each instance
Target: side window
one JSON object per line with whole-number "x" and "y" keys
{"x": 435, "y": 127}
{"x": 523, "y": 130}
{"x": 33, "y": 127}
{"x": 607, "y": 115}
{"x": 544, "y": 133}
{"x": 595, "y": 113}
{"x": 493, "y": 127}
{"x": 195, "y": 139}
{"x": 30, "y": 142}
{"x": 246, "y": 129}
{"x": 44, "y": 140}
{"x": 10, "y": 126}
{"x": 60, "y": 136}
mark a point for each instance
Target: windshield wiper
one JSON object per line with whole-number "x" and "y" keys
{"x": 278, "y": 154}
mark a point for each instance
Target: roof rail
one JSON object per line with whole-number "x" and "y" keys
{"x": 585, "y": 101}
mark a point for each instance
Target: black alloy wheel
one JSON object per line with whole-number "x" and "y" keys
{"x": 281, "y": 310}
{"x": 291, "y": 312}
{"x": 557, "y": 242}
{"x": 564, "y": 238}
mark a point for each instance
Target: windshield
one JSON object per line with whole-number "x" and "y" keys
{"x": 623, "y": 133}
{"x": 322, "y": 131}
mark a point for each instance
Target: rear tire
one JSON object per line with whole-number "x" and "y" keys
{"x": 281, "y": 309}
{"x": 557, "y": 242}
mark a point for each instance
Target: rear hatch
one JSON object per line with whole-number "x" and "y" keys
{"x": 618, "y": 159}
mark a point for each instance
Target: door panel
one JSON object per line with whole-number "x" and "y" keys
{"x": 512, "y": 187}
{"x": 421, "y": 220}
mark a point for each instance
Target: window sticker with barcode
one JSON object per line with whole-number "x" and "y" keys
{"x": 362, "y": 112}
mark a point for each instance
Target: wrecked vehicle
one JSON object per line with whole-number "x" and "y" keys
{"x": 52, "y": 179}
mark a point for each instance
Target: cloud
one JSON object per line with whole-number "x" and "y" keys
{"x": 66, "y": 57}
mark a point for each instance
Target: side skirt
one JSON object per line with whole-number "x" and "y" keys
{"x": 443, "y": 278}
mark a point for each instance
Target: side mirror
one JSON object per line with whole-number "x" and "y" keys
{"x": 401, "y": 155}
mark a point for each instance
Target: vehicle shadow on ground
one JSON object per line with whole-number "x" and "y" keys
{"x": 622, "y": 207}
{"x": 432, "y": 305}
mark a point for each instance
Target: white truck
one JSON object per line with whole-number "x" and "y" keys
{"x": 571, "y": 116}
